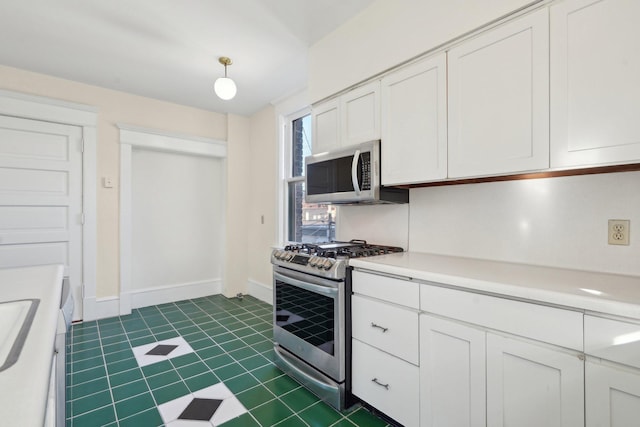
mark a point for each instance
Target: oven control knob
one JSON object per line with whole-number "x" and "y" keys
{"x": 313, "y": 261}
{"x": 277, "y": 254}
{"x": 327, "y": 264}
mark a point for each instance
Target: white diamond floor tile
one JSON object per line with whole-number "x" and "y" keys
{"x": 144, "y": 359}
{"x": 229, "y": 409}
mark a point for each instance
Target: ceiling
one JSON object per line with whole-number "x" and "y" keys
{"x": 169, "y": 49}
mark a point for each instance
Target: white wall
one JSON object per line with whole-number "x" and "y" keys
{"x": 553, "y": 221}
{"x": 377, "y": 224}
{"x": 177, "y": 213}
{"x": 388, "y": 33}
{"x": 236, "y": 264}
{"x": 114, "y": 107}
{"x": 263, "y": 217}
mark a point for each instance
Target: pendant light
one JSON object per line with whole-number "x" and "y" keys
{"x": 224, "y": 87}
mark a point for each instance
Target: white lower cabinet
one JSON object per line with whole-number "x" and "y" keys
{"x": 385, "y": 339}
{"x": 452, "y": 374}
{"x": 387, "y": 327}
{"x": 386, "y": 382}
{"x": 612, "y": 371}
{"x": 612, "y": 394}
{"x": 473, "y": 378}
{"x": 531, "y": 385}
{"x": 464, "y": 359}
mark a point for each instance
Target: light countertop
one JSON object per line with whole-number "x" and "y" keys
{"x": 24, "y": 386}
{"x": 611, "y": 294}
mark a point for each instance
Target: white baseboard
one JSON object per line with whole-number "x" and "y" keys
{"x": 100, "y": 308}
{"x": 164, "y": 294}
{"x": 260, "y": 291}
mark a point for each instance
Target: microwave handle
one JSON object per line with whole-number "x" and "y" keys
{"x": 354, "y": 172}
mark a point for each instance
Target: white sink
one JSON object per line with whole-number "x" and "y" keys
{"x": 15, "y": 321}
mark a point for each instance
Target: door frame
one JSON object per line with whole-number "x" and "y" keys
{"x": 21, "y": 105}
{"x": 155, "y": 140}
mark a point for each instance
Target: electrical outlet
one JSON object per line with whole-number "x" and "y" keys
{"x": 619, "y": 232}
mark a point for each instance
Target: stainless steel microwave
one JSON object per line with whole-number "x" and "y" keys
{"x": 349, "y": 176}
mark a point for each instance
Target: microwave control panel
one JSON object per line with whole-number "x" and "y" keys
{"x": 365, "y": 171}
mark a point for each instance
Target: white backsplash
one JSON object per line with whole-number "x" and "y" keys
{"x": 377, "y": 224}
{"x": 553, "y": 221}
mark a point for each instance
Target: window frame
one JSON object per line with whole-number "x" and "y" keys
{"x": 286, "y": 170}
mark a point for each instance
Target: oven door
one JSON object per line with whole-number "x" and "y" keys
{"x": 309, "y": 319}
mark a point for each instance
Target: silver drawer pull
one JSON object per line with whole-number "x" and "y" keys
{"x": 375, "y": 380}
{"x": 373, "y": 325}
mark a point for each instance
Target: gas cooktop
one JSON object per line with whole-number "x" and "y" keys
{"x": 351, "y": 249}
{"x": 327, "y": 259}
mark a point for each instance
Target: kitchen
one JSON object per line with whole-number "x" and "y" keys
{"x": 556, "y": 222}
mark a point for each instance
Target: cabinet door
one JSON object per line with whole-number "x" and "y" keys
{"x": 326, "y": 126}
{"x": 499, "y": 100}
{"x": 595, "y": 95}
{"x": 530, "y": 385}
{"x": 452, "y": 374}
{"x": 414, "y": 123}
{"x": 385, "y": 382}
{"x": 612, "y": 395}
{"x": 361, "y": 114}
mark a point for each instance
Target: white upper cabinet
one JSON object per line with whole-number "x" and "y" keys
{"x": 326, "y": 126}
{"x": 595, "y": 95}
{"x": 347, "y": 120}
{"x": 361, "y": 114}
{"x": 499, "y": 100}
{"x": 414, "y": 123}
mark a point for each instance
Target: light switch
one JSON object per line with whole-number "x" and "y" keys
{"x": 107, "y": 182}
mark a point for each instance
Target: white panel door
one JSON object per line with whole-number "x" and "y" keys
{"x": 595, "y": 95}
{"x": 41, "y": 197}
{"x": 499, "y": 100}
{"x": 612, "y": 395}
{"x": 530, "y": 385}
{"x": 414, "y": 123}
{"x": 452, "y": 374}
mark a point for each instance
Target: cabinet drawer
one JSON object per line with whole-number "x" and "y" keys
{"x": 387, "y": 383}
{"x": 613, "y": 340}
{"x": 538, "y": 322}
{"x": 386, "y": 288}
{"x": 388, "y": 327}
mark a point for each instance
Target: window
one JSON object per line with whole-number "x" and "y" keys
{"x": 305, "y": 222}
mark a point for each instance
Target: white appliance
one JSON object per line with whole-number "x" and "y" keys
{"x": 349, "y": 176}
{"x": 56, "y": 405}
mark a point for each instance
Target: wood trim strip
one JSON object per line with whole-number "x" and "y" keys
{"x": 533, "y": 175}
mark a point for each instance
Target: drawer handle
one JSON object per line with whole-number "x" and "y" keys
{"x": 373, "y": 325}
{"x": 375, "y": 380}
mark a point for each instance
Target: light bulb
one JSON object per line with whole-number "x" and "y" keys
{"x": 225, "y": 88}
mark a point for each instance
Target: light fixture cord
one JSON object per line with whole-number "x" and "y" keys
{"x": 225, "y": 71}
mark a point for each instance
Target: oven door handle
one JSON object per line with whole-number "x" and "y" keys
{"x": 318, "y": 289}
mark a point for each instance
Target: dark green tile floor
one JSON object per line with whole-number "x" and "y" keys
{"x": 232, "y": 339}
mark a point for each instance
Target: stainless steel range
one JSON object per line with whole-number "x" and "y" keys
{"x": 312, "y": 313}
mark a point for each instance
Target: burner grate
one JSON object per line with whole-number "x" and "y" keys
{"x": 351, "y": 249}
